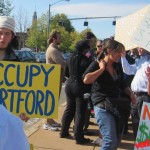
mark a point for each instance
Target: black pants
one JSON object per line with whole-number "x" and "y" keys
{"x": 136, "y": 111}
{"x": 75, "y": 109}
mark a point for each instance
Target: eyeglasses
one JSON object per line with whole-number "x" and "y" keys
{"x": 99, "y": 46}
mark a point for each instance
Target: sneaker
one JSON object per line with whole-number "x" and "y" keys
{"x": 98, "y": 141}
{"x": 52, "y": 128}
{"x": 49, "y": 127}
{"x": 55, "y": 124}
{"x": 45, "y": 126}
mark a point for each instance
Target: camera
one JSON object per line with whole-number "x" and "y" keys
{"x": 86, "y": 97}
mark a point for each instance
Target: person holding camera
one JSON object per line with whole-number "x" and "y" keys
{"x": 108, "y": 93}
{"x": 75, "y": 90}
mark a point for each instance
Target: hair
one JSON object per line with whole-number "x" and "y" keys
{"x": 101, "y": 56}
{"x": 112, "y": 45}
{"x": 14, "y": 44}
{"x": 89, "y": 35}
{"x": 77, "y": 56}
{"x": 82, "y": 45}
{"x": 99, "y": 41}
{"x": 52, "y": 35}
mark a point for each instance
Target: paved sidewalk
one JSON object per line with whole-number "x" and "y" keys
{"x": 49, "y": 140}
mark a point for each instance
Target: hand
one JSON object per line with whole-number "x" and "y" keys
{"x": 24, "y": 117}
{"x": 147, "y": 72}
{"x": 123, "y": 53}
{"x": 102, "y": 65}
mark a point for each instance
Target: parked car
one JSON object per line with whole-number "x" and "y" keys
{"x": 67, "y": 55}
{"x": 25, "y": 56}
{"x": 41, "y": 57}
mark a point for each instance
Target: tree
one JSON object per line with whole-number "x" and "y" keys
{"x": 85, "y": 31}
{"x": 75, "y": 37}
{"x": 37, "y": 35}
{"x": 5, "y": 8}
{"x": 61, "y": 20}
{"x": 22, "y": 24}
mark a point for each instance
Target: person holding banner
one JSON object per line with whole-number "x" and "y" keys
{"x": 8, "y": 42}
{"x": 11, "y": 128}
{"x": 139, "y": 84}
{"x": 110, "y": 94}
{"x": 54, "y": 56}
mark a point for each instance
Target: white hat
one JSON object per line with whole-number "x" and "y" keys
{"x": 7, "y": 22}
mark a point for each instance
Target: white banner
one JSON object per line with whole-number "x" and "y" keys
{"x": 142, "y": 35}
{"x": 126, "y": 27}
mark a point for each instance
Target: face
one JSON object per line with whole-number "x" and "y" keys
{"x": 5, "y": 37}
{"x": 99, "y": 46}
{"x": 141, "y": 51}
{"x": 58, "y": 40}
{"x": 115, "y": 55}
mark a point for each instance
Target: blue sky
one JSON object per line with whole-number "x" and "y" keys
{"x": 102, "y": 28}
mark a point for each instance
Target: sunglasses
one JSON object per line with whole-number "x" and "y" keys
{"x": 99, "y": 46}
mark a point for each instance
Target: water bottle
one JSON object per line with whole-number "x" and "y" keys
{"x": 87, "y": 98}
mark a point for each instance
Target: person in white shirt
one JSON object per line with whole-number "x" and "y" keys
{"x": 139, "y": 84}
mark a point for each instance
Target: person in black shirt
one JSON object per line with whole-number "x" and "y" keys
{"x": 75, "y": 89}
{"x": 108, "y": 88}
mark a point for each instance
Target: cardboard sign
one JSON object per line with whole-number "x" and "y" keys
{"x": 142, "y": 35}
{"x": 143, "y": 136}
{"x": 30, "y": 88}
{"x": 126, "y": 27}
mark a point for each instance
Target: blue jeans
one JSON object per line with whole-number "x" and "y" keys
{"x": 107, "y": 126}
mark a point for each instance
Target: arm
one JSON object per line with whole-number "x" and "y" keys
{"x": 58, "y": 58}
{"x": 90, "y": 77}
{"x": 67, "y": 70}
{"x": 147, "y": 72}
{"x": 149, "y": 86}
{"x": 128, "y": 91}
{"x": 127, "y": 68}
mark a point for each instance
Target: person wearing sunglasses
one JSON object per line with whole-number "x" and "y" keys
{"x": 98, "y": 47}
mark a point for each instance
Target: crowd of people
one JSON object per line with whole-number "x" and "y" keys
{"x": 117, "y": 81}
{"x": 109, "y": 75}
